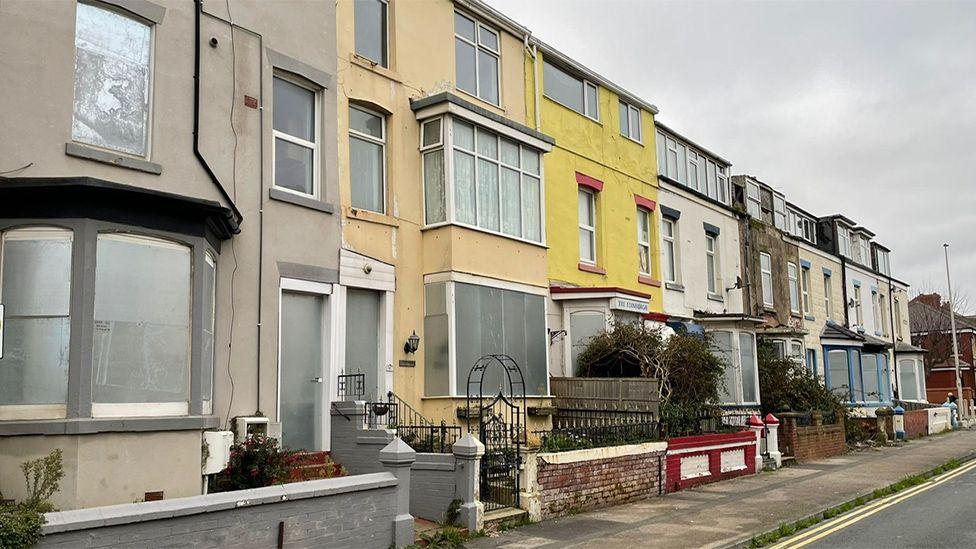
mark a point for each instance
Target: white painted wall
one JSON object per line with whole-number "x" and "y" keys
{"x": 690, "y": 240}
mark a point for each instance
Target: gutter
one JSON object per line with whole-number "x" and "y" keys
{"x": 196, "y": 116}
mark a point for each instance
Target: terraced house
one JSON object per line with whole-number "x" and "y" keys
{"x": 442, "y": 201}
{"x": 167, "y": 156}
{"x": 701, "y": 262}
{"x": 601, "y": 202}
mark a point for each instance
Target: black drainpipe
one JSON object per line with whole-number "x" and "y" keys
{"x": 894, "y": 335}
{"x": 196, "y": 114}
{"x": 843, "y": 285}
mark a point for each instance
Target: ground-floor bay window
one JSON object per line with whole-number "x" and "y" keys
{"x": 859, "y": 376}
{"x": 911, "y": 379}
{"x": 104, "y": 320}
{"x": 737, "y": 349}
{"x": 465, "y": 320}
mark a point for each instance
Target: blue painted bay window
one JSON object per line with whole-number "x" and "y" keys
{"x": 860, "y": 377}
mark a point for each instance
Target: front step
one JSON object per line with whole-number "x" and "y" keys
{"x": 505, "y": 519}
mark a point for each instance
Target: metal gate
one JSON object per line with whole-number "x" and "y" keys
{"x": 500, "y": 428}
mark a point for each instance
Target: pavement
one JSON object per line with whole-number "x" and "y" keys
{"x": 730, "y": 513}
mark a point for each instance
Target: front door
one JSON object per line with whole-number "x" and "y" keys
{"x": 303, "y": 394}
{"x": 363, "y": 345}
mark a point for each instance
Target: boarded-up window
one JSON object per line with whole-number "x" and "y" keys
{"x": 112, "y": 71}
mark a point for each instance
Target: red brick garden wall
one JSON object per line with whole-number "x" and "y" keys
{"x": 916, "y": 423}
{"x": 579, "y": 480}
{"x": 813, "y": 442}
{"x": 707, "y": 451}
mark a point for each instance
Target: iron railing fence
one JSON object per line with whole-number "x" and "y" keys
{"x": 577, "y": 429}
{"x": 422, "y": 434}
{"x": 351, "y": 386}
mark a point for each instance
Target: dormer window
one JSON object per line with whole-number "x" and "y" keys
{"x": 843, "y": 241}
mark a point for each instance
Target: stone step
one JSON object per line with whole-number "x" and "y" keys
{"x": 503, "y": 519}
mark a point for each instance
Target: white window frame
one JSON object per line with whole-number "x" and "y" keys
{"x": 672, "y": 148}
{"x": 644, "y": 214}
{"x": 828, "y": 298}
{"x": 858, "y": 308}
{"x": 386, "y": 39}
{"x": 587, "y": 87}
{"x": 693, "y": 168}
{"x": 753, "y": 200}
{"x": 779, "y": 212}
{"x": 736, "y": 350}
{"x": 211, "y": 260}
{"x": 794, "y": 286}
{"x": 376, "y": 141}
{"x": 448, "y": 144}
{"x": 478, "y": 47}
{"x": 764, "y": 274}
{"x": 844, "y": 241}
{"x": 590, "y": 228}
{"x": 876, "y": 308}
{"x": 711, "y": 257}
{"x": 150, "y": 85}
{"x": 316, "y": 115}
{"x": 722, "y": 180}
{"x": 897, "y": 314}
{"x": 670, "y": 243}
{"x": 632, "y": 112}
{"x": 883, "y": 319}
{"x": 805, "y": 289}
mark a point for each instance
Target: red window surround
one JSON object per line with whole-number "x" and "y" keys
{"x": 584, "y": 180}
{"x": 646, "y": 203}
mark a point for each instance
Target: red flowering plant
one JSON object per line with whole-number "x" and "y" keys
{"x": 257, "y": 461}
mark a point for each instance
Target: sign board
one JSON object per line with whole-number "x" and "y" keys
{"x": 630, "y": 305}
{"x": 408, "y": 363}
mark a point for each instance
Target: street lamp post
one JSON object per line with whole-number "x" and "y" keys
{"x": 952, "y": 324}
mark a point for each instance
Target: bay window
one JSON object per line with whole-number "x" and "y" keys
{"x": 911, "y": 377}
{"x": 737, "y": 350}
{"x": 367, "y": 159}
{"x": 477, "y": 178}
{"x": 113, "y": 69}
{"x": 35, "y": 289}
{"x": 464, "y": 321}
{"x": 134, "y": 295}
{"x": 476, "y": 55}
{"x": 587, "y": 226}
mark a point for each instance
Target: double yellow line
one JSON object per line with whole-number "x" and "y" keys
{"x": 819, "y": 532}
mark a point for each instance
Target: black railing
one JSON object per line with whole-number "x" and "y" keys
{"x": 411, "y": 426}
{"x": 578, "y": 429}
{"x": 351, "y": 386}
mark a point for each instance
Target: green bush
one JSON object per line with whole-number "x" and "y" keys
{"x": 20, "y": 523}
{"x": 787, "y": 386}
{"x": 254, "y": 463}
{"x": 20, "y": 526}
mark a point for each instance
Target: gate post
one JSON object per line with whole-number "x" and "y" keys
{"x": 397, "y": 457}
{"x": 529, "y": 497}
{"x": 772, "y": 439}
{"x": 756, "y": 425}
{"x": 468, "y": 451}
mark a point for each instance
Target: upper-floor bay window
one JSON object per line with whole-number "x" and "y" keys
{"x": 140, "y": 295}
{"x": 477, "y": 52}
{"x": 681, "y": 162}
{"x": 481, "y": 179}
{"x": 571, "y": 91}
{"x": 113, "y": 75}
{"x": 372, "y": 31}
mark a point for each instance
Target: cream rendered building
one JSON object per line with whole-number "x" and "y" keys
{"x": 441, "y": 200}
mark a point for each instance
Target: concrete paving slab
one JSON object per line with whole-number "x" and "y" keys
{"x": 730, "y": 513}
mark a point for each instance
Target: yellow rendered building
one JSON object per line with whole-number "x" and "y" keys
{"x": 601, "y": 202}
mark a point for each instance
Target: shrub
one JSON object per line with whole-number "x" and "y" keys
{"x": 786, "y": 385}
{"x": 20, "y": 523}
{"x": 254, "y": 463}
{"x": 20, "y": 526}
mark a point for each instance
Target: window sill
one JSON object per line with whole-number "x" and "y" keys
{"x": 716, "y": 297}
{"x": 85, "y": 426}
{"x": 375, "y": 67}
{"x": 632, "y": 140}
{"x": 370, "y": 216}
{"x": 650, "y": 281}
{"x": 588, "y": 268}
{"x": 299, "y": 200}
{"x": 674, "y": 286}
{"x": 78, "y": 150}
{"x": 768, "y": 309}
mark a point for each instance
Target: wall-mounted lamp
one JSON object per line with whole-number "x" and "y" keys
{"x": 413, "y": 343}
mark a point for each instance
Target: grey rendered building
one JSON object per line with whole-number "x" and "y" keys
{"x": 167, "y": 181}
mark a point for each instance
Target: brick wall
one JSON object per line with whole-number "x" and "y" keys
{"x": 916, "y": 423}
{"x": 811, "y": 442}
{"x": 579, "y": 480}
{"x": 342, "y": 512}
{"x": 709, "y": 458}
{"x": 435, "y": 485}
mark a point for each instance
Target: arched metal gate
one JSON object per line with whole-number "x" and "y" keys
{"x": 500, "y": 428}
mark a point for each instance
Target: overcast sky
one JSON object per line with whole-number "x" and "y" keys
{"x": 861, "y": 108}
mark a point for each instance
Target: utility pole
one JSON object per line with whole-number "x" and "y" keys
{"x": 955, "y": 342}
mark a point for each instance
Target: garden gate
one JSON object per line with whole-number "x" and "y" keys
{"x": 500, "y": 429}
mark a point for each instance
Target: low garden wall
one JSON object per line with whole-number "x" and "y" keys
{"x": 363, "y": 511}
{"x": 810, "y": 442}
{"x": 939, "y": 420}
{"x": 556, "y": 484}
{"x": 916, "y": 423}
{"x": 702, "y": 459}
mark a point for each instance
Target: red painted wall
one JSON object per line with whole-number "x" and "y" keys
{"x": 679, "y": 447}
